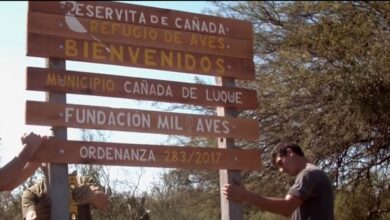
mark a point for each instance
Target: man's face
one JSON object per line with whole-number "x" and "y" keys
{"x": 284, "y": 164}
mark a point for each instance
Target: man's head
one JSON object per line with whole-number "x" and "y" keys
{"x": 288, "y": 158}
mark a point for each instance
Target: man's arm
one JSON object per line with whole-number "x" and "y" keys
{"x": 28, "y": 204}
{"x": 99, "y": 199}
{"x": 31, "y": 199}
{"x": 20, "y": 165}
{"x": 88, "y": 192}
{"x": 282, "y": 206}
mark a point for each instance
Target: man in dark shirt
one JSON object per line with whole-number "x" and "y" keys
{"x": 309, "y": 198}
{"x": 36, "y": 201}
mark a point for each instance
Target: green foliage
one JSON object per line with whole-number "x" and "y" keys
{"x": 123, "y": 207}
{"x": 368, "y": 200}
{"x": 10, "y": 205}
{"x": 182, "y": 196}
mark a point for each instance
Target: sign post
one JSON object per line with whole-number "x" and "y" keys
{"x": 229, "y": 210}
{"x": 58, "y": 173}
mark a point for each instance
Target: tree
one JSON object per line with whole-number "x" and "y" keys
{"x": 180, "y": 196}
{"x": 323, "y": 81}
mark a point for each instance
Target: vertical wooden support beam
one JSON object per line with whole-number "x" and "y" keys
{"x": 58, "y": 173}
{"x": 229, "y": 210}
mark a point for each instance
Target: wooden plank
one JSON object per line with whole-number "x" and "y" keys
{"x": 92, "y": 117}
{"x": 105, "y": 153}
{"x": 139, "y": 56}
{"x": 139, "y": 35}
{"x": 149, "y": 16}
{"x": 43, "y": 79}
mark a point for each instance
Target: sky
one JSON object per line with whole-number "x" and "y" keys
{"x": 13, "y": 62}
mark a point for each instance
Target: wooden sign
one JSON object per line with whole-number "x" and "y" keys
{"x": 91, "y": 117}
{"x": 144, "y": 37}
{"x": 138, "y": 88}
{"x": 138, "y": 56}
{"x": 148, "y": 16}
{"x": 138, "y": 35}
{"x": 104, "y": 153}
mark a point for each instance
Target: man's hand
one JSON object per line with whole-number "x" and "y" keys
{"x": 92, "y": 195}
{"x": 32, "y": 143}
{"x": 235, "y": 192}
{"x": 82, "y": 194}
{"x": 30, "y": 215}
{"x": 99, "y": 199}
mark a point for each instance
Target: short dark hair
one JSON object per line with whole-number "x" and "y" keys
{"x": 281, "y": 150}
